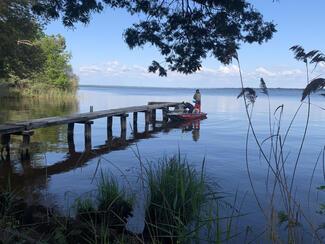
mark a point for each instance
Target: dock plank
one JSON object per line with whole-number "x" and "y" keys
{"x": 9, "y": 129}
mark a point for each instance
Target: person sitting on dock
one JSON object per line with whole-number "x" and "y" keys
{"x": 197, "y": 100}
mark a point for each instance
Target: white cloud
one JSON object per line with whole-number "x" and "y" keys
{"x": 115, "y": 68}
{"x": 116, "y": 73}
{"x": 230, "y": 69}
{"x": 222, "y": 70}
{"x": 91, "y": 69}
{"x": 111, "y": 69}
{"x": 322, "y": 64}
{"x": 277, "y": 72}
{"x": 263, "y": 71}
{"x": 291, "y": 72}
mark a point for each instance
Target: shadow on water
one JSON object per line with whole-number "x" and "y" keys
{"x": 30, "y": 177}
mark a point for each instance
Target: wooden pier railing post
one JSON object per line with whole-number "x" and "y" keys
{"x": 135, "y": 122}
{"x": 153, "y": 117}
{"x": 26, "y": 144}
{"x": 5, "y": 144}
{"x": 71, "y": 145}
{"x": 164, "y": 114}
{"x": 70, "y": 128}
{"x": 88, "y": 135}
{"x": 147, "y": 120}
{"x": 109, "y": 128}
{"x": 123, "y": 126}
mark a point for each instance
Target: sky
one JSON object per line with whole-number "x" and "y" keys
{"x": 101, "y": 57}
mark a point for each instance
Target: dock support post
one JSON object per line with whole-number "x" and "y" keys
{"x": 153, "y": 117}
{"x": 88, "y": 135}
{"x": 164, "y": 114}
{"x": 109, "y": 128}
{"x": 5, "y": 144}
{"x": 26, "y": 143}
{"x": 70, "y": 129}
{"x": 123, "y": 126}
{"x": 147, "y": 120}
{"x": 71, "y": 145}
{"x": 135, "y": 122}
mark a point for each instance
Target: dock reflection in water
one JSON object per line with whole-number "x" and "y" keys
{"x": 30, "y": 178}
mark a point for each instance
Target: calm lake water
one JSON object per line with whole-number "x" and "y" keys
{"x": 56, "y": 176}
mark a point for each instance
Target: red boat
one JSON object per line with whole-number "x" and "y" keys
{"x": 176, "y": 116}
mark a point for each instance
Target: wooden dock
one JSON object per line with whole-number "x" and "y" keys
{"x": 26, "y": 128}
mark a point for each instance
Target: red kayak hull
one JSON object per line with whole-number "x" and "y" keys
{"x": 188, "y": 116}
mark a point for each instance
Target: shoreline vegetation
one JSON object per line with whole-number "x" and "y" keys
{"x": 53, "y": 79}
{"x": 39, "y": 91}
{"x": 55, "y": 73}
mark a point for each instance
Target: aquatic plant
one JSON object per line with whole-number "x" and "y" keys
{"x": 104, "y": 215}
{"x": 113, "y": 199}
{"x": 249, "y": 94}
{"x": 263, "y": 87}
{"x": 84, "y": 205}
{"x": 9, "y": 209}
{"x": 314, "y": 86}
{"x": 292, "y": 214}
{"x": 176, "y": 194}
{"x": 111, "y": 206}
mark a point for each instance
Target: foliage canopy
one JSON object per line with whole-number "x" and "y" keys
{"x": 56, "y": 68}
{"x": 18, "y": 23}
{"x": 184, "y": 31}
{"x": 27, "y": 55}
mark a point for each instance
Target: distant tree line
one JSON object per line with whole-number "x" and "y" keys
{"x": 29, "y": 57}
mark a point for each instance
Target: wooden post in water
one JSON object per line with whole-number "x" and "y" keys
{"x": 147, "y": 120}
{"x": 135, "y": 122}
{"x": 88, "y": 135}
{"x": 5, "y": 144}
{"x": 109, "y": 128}
{"x": 70, "y": 129}
{"x": 26, "y": 143}
{"x": 153, "y": 117}
{"x": 164, "y": 114}
{"x": 71, "y": 144}
{"x": 123, "y": 126}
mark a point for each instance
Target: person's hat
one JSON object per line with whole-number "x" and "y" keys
{"x": 197, "y": 90}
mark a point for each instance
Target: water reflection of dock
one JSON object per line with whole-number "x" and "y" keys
{"x": 36, "y": 176}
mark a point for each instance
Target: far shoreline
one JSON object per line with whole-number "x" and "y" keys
{"x": 180, "y": 88}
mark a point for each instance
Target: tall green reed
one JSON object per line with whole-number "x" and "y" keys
{"x": 276, "y": 159}
{"x": 177, "y": 193}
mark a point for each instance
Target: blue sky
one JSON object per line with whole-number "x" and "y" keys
{"x": 101, "y": 57}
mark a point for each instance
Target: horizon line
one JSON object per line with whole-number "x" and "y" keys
{"x": 160, "y": 87}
